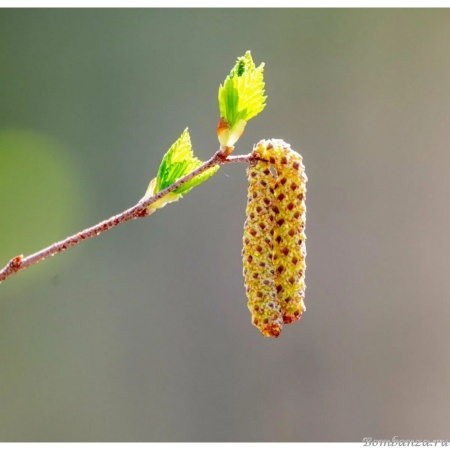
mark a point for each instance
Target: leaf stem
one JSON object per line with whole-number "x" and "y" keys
{"x": 20, "y": 262}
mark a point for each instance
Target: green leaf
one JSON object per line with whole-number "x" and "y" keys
{"x": 176, "y": 163}
{"x": 199, "y": 179}
{"x": 241, "y": 97}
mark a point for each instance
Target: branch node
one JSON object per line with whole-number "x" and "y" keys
{"x": 15, "y": 263}
{"x": 143, "y": 213}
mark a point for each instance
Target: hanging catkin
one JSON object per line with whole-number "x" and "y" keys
{"x": 258, "y": 249}
{"x": 287, "y": 235}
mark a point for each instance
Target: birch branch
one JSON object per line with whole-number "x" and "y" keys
{"x": 20, "y": 262}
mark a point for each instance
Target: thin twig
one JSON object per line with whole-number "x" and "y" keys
{"x": 139, "y": 210}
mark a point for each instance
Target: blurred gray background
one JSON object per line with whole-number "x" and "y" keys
{"x": 143, "y": 334}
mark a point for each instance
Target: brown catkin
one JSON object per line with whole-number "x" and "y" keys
{"x": 257, "y": 252}
{"x": 288, "y": 206}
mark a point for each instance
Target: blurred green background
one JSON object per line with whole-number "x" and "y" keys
{"x": 143, "y": 333}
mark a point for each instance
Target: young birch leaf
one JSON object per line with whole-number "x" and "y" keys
{"x": 176, "y": 163}
{"x": 240, "y": 98}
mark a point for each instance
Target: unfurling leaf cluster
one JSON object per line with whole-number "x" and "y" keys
{"x": 178, "y": 161}
{"x": 241, "y": 97}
